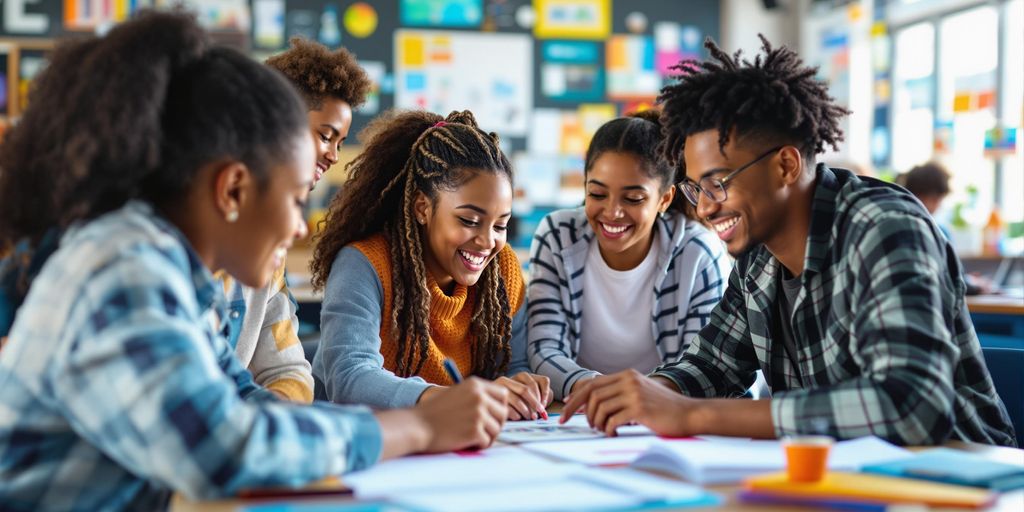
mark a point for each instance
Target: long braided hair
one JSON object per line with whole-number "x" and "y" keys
{"x": 407, "y": 152}
{"x": 776, "y": 98}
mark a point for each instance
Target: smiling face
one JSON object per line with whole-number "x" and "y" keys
{"x": 329, "y": 125}
{"x": 755, "y": 211}
{"x": 621, "y": 205}
{"x": 269, "y": 223}
{"x": 464, "y": 229}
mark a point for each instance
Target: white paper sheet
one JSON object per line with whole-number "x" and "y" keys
{"x": 498, "y": 466}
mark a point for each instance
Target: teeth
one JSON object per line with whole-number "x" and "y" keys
{"x": 612, "y": 229}
{"x": 721, "y": 227}
{"x": 476, "y": 260}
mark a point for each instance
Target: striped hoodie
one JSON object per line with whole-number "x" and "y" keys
{"x": 693, "y": 267}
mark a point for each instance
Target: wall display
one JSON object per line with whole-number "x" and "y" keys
{"x": 223, "y": 15}
{"x": 834, "y": 66}
{"x": 572, "y": 19}
{"x": 674, "y": 43}
{"x": 442, "y": 13}
{"x": 631, "y": 70}
{"x": 302, "y": 23}
{"x": 329, "y": 33}
{"x": 376, "y": 71}
{"x": 572, "y": 71}
{"x": 268, "y": 24}
{"x": 445, "y": 71}
{"x": 501, "y": 15}
{"x": 360, "y": 20}
{"x": 89, "y": 14}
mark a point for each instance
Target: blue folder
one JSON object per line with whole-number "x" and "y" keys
{"x": 954, "y": 467}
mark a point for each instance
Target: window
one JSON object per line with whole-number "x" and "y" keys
{"x": 913, "y": 98}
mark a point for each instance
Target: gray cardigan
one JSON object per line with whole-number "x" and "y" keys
{"x": 348, "y": 366}
{"x": 692, "y": 264}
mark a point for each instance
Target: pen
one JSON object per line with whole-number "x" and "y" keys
{"x": 453, "y": 371}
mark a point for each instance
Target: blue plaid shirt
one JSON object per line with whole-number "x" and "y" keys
{"x": 118, "y": 387}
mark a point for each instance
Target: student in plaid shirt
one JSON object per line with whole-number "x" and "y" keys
{"x": 161, "y": 157}
{"x": 845, "y": 293}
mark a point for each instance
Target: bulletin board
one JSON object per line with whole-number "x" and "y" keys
{"x": 441, "y": 71}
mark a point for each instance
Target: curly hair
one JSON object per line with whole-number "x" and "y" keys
{"x": 638, "y": 134}
{"x": 319, "y": 73}
{"x": 134, "y": 115}
{"x": 775, "y": 98}
{"x": 407, "y": 152}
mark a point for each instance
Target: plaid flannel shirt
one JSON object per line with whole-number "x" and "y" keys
{"x": 885, "y": 345}
{"x": 117, "y": 386}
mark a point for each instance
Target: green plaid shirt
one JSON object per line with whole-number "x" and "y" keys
{"x": 885, "y": 345}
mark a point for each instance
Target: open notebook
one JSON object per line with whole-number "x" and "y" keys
{"x": 727, "y": 461}
{"x": 709, "y": 460}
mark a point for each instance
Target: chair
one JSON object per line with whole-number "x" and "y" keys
{"x": 1006, "y": 365}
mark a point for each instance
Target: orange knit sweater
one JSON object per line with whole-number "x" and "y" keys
{"x": 450, "y": 334}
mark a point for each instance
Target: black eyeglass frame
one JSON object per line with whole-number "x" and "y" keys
{"x": 691, "y": 190}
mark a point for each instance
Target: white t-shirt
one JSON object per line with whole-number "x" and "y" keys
{"x": 615, "y": 327}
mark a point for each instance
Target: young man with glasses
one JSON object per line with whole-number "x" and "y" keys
{"x": 845, "y": 293}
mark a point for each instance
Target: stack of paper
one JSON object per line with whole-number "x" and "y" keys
{"x": 511, "y": 479}
{"x": 585, "y": 489}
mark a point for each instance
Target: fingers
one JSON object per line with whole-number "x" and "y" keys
{"x": 533, "y": 396}
{"x": 577, "y": 399}
{"x": 546, "y": 395}
{"x": 617, "y": 420}
{"x": 607, "y": 408}
{"x": 522, "y": 398}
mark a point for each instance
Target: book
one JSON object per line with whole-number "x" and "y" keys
{"x": 722, "y": 461}
{"x": 954, "y": 467}
{"x": 868, "y": 488}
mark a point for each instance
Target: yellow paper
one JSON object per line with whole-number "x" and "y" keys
{"x": 962, "y": 102}
{"x": 860, "y": 486}
{"x": 616, "y": 53}
{"x": 573, "y": 19}
{"x": 412, "y": 51}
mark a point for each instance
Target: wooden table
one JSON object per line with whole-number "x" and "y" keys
{"x": 1008, "y": 502}
{"x": 996, "y": 304}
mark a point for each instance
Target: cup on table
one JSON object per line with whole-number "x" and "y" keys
{"x": 807, "y": 457}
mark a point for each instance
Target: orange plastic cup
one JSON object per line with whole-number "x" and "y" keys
{"x": 807, "y": 457}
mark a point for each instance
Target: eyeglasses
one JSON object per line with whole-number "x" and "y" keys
{"x": 714, "y": 188}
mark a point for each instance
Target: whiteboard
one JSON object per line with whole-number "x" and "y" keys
{"x": 489, "y": 74}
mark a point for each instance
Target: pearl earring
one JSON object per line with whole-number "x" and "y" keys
{"x": 231, "y": 216}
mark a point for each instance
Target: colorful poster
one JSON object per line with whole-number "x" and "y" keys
{"x": 573, "y": 19}
{"x": 674, "y": 43}
{"x": 504, "y": 15}
{"x": 89, "y": 14}
{"x": 834, "y": 67}
{"x": 571, "y": 71}
{"x": 360, "y": 20}
{"x": 631, "y": 69}
{"x": 444, "y": 71}
{"x": 442, "y": 13}
{"x": 268, "y": 24}
{"x": 376, "y": 71}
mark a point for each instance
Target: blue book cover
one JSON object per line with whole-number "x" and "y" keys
{"x": 954, "y": 467}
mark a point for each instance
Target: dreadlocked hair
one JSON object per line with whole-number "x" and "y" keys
{"x": 407, "y": 152}
{"x": 775, "y": 99}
